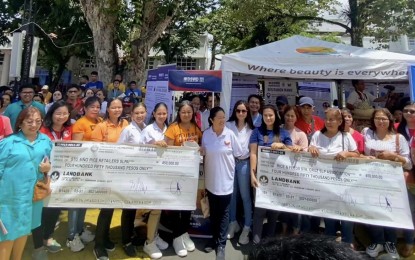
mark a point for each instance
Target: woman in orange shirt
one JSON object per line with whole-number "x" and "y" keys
{"x": 82, "y": 131}
{"x": 184, "y": 129}
{"x": 107, "y": 131}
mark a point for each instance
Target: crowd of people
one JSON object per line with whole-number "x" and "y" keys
{"x": 230, "y": 150}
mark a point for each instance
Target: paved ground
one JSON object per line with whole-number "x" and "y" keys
{"x": 233, "y": 251}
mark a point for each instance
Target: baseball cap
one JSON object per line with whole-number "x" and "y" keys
{"x": 45, "y": 87}
{"x": 128, "y": 101}
{"x": 305, "y": 101}
{"x": 282, "y": 100}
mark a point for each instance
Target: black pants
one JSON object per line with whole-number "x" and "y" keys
{"x": 181, "y": 222}
{"x": 219, "y": 216}
{"x": 102, "y": 233}
{"x": 127, "y": 225}
{"x": 47, "y": 226}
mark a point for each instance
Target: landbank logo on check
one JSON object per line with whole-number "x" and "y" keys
{"x": 263, "y": 180}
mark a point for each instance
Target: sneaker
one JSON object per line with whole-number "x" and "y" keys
{"x": 129, "y": 250}
{"x": 161, "y": 244}
{"x": 232, "y": 229}
{"x": 188, "y": 243}
{"x": 87, "y": 236}
{"x": 373, "y": 250}
{"x": 40, "y": 254}
{"x": 100, "y": 254}
{"x": 75, "y": 245}
{"x": 210, "y": 246}
{"x": 109, "y": 245}
{"x": 390, "y": 249}
{"x": 53, "y": 246}
{"x": 244, "y": 237}
{"x": 179, "y": 246}
{"x": 152, "y": 250}
{"x": 220, "y": 253}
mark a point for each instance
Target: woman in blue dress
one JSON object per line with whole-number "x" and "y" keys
{"x": 23, "y": 161}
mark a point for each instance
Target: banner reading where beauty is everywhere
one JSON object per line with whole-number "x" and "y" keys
{"x": 104, "y": 175}
{"x": 357, "y": 190}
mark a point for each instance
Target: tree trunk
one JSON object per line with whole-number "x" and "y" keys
{"x": 101, "y": 16}
{"x": 59, "y": 72}
{"x": 213, "y": 58}
{"x": 151, "y": 29}
{"x": 356, "y": 37}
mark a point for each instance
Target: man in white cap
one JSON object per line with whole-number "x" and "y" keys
{"x": 46, "y": 94}
{"x": 308, "y": 123}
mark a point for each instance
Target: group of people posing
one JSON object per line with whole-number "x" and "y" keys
{"x": 229, "y": 148}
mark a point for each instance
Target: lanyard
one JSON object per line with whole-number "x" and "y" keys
{"x": 55, "y": 137}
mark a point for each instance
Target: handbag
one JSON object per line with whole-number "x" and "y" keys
{"x": 204, "y": 204}
{"x": 407, "y": 174}
{"x": 42, "y": 187}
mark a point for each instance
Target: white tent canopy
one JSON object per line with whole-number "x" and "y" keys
{"x": 307, "y": 58}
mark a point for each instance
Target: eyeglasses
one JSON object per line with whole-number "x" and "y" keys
{"x": 409, "y": 112}
{"x": 37, "y": 122}
{"x": 27, "y": 93}
{"x": 243, "y": 111}
{"x": 72, "y": 91}
{"x": 381, "y": 119}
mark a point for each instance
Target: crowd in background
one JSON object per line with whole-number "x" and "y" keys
{"x": 116, "y": 114}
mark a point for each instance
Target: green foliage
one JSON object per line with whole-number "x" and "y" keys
{"x": 10, "y": 17}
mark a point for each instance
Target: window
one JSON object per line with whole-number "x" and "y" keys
{"x": 1, "y": 58}
{"x": 186, "y": 63}
{"x": 150, "y": 63}
{"x": 90, "y": 62}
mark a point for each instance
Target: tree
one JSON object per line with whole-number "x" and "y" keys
{"x": 101, "y": 16}
{"x": 9, "y": 18}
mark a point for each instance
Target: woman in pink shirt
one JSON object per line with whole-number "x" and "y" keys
{"x": 348, "y": 122}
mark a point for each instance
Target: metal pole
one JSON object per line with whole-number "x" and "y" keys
{"x": 28, "y": 42}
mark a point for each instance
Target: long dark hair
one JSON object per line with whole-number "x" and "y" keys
{"x": 402, "y": 125}
{"x": 388, "y": 114}
{"x": 277, "y": 123}
{"x": 1, "y": 99}
{"x": 339, "y": 116}
{"x": 248, "y": 119}
{"x": 48, "y": 122}
{"x": 160, "y": 104}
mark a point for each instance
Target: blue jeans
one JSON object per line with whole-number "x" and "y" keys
{"x": 409, "y": 233}
{"x": 346, "y": 229}
{"x": 380, "y": 235}
{"x": 242, "y": 186}
{"x": 76, "y": 219}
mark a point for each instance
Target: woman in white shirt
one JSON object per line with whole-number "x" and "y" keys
{"x": 241, "y": 125}
{"x": 220, "y": 147}
{"x": 333, "y": 143}
{"x": 154, "y": 133}
{"x": 382, "y": 142}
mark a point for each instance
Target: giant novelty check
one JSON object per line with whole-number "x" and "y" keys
{"x": 358, "y": 190}
{"x": 104, "y": 175}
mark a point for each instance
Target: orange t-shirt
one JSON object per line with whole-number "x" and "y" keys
{"x": 181, "y": 135}
{"x": 85, "y": 126}
{"x": 108, "y": 132}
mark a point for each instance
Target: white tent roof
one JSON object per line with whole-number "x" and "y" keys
{"x": 308, "y": 58}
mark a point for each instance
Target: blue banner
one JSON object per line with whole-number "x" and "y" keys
{"x": 195, "y": 80}
{"x": 161, "y": 73}
{"x": 411, "y": 70}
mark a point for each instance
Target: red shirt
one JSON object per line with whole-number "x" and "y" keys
{"x": 65, "y": 134}
{"x": 360, "y": 141}
{"x": 310, "y": 129}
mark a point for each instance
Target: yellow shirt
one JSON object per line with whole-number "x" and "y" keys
{"x": 85, "y": 126}
{"x": 108, "y": 132}
{"x": 111, "y": 87}
{"x": 181, "y": 135}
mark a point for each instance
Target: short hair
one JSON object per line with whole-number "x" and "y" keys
{"x": 69, "y": 86}
{"x": 27, "y": 86}
{"x": 339, "y": 116}
{"x": 94, "y": 73}
{"x": 24, "y": 114}
{"x": 391, "y": 128}
{"x": 132, "y": 82}
{"x": 85, "y": 77}
{"x": 213, "y": 112}
{"x": 91, "y": 100}
{"x": 116, "y": 80}
{"x": 305, "y": 246}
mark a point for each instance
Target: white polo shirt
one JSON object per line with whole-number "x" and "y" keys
{"x": 153, "y": 133}
{"x": 131, "y": 134}
{"x": 219, "y": 161}
{"x": 242, "y": 137}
